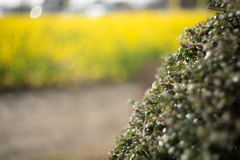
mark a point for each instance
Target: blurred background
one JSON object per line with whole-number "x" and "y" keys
{"x": 67, "y": 68}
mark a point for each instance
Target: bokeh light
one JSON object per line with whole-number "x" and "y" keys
{"x": 96, "y": 10}
{"x": 36, "y": 12}
{"x": 67, "y": 13}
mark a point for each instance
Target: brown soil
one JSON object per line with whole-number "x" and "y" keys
{"x": 64, "y": 124}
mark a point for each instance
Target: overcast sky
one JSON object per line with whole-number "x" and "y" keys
{"x": 14, "y": 3}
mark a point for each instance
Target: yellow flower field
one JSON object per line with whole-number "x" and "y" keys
{"x": 50, "y": 50}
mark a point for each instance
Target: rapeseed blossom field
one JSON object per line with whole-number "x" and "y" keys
{"x": 51, "y": 51}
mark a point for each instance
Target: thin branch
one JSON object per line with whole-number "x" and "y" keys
{"x": 143, "y": 130}
{"x": 216, "y": 9}
{"x": 151, "y": 136}
{"x": 147, "y": 154}
{"x": 195, "y": 44}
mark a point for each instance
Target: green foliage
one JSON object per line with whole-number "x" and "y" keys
{"x": 192, "y": 111}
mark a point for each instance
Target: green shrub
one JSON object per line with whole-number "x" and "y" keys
{"x": 192, "y": 111}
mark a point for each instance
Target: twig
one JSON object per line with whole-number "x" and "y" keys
{"x": 147, "y": 154}
{"x": 216, "y": 9}
{"x": 151, "y": 136}
{"x": 143, "y": 130}
{"x": 195, "y": 44}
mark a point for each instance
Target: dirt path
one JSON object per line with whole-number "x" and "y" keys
{"x": 64, "y": 124}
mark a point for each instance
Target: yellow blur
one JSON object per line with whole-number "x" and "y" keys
{"x": 50, "y": 50}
